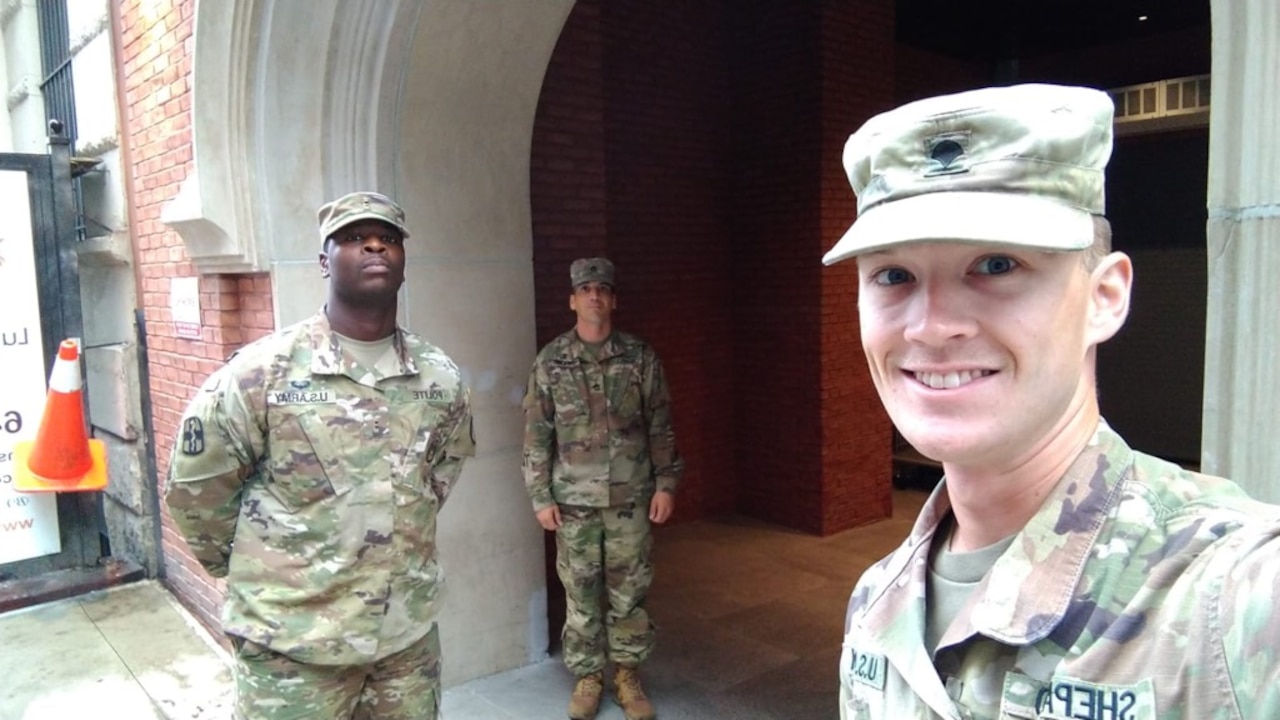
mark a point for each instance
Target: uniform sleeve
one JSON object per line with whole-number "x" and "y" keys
{"x": 539, "y": 438}
{"x": 218, "y": 446}
{"x": 1246, "y": 612}
{"x": 668, "y": 466}
{"x": 460, "y": 446}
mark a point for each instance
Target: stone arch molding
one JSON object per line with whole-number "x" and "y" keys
{"x": 291, "y": 102}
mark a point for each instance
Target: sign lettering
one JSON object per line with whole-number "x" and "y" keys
{"x": 28, "y": 523}
{"x": 184, "y": 306}
{"x": 15, "y": 338}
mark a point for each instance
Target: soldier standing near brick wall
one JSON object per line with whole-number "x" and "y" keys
{"x": 600, "y": 464}
{"x": 310, "y": 471}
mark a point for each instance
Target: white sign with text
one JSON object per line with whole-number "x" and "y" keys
{"x": 184, "y": 305}
{"x": 28, "y": 522}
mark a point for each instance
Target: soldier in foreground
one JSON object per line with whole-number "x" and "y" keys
{"x": 600, "y": 465}
{"x": 310, "y": 471}
{"x": 1055, "y": 572}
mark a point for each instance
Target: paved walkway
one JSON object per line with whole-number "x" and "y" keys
{"x": 129, "y": 652}
{"x": 750, "y": 620}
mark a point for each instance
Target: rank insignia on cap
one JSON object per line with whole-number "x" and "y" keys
{"x": 946, "y": 154}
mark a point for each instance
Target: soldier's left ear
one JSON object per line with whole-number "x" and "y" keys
{"x": 1110, "y": 285}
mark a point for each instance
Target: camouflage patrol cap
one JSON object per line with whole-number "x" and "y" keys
{"x": 1019, "y": 165}
{"x": 585, "y": 270}
{"x": 356, "y": 206}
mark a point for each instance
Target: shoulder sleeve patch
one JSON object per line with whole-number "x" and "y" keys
{"x": 192, "y": 436}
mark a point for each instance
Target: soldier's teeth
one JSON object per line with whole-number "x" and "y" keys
{"x": 953, "y": 379}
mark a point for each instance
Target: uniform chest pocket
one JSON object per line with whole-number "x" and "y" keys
{"x": 628, "y": 397}
{"x": 418, "y": 443}
{"x": 571, "y": 392}
{"x": 308, "y": 451}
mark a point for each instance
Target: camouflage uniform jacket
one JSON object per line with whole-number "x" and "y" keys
{"x": 1139, "y": 591}
{"x": 313, "y": 484}
{"x": 597, "y": 431}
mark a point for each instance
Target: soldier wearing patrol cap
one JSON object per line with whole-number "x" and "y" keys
{"x": 600, "y": 465}
{"x": 1055, "y": 572}
{"x": 310, "y": 471}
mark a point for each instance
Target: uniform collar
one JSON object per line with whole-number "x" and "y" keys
{"x": 575, "y": 349}
{"x": 1029, "y": 589}
{"x": 327, "y": 357}
{"x": 895, "y": 615}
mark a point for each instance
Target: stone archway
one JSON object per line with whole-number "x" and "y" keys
{"x": 296, "y": 101}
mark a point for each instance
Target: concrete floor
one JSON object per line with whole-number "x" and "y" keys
{"x": 129, "y": 652}
{"x": 749, "y": 616}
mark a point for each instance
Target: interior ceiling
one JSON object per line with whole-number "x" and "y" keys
{"x": 995, "y": 30}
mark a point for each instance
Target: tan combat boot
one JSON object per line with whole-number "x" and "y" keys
{"x": 630, "y": 696}
{"x": 585, "y": 702}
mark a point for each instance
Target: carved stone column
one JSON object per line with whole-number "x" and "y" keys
{"x": 1242, "y": 346}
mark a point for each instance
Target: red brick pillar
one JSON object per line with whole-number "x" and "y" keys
{"x": 156, "y": 51}
{"x": 857, "y": 49}
{"x": 776, "y": 226}
{"x": 813, "y": 444}
{"x": 567, "y": 167}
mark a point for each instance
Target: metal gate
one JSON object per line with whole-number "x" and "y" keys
{"x": 39, "y": 307}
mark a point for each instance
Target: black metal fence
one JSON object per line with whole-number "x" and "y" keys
{"x": 58, "y": 86}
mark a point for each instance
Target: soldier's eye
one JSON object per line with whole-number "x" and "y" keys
{"x": 995, "y": 265}
{"x": 385, "y": 239}
{"x": 892, "y": 276}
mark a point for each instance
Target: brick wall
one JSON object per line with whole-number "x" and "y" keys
{"x": 776, "y": 224}
{"x": 566, "y": 167}
{"x": 627, "y": 162}
{"x": 157, "y": 48}
{"x": 921, "y": 74}
{"x": 666, "y": 104}
{"x": 699, "y": 146}
{"x": 817, "y": 456}
{"x": 858, "y": 80}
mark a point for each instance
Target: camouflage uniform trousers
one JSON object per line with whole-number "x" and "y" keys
{"x": 403, "y": 686}
{"x": 603, "y": 559}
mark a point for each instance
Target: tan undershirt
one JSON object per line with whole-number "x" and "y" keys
{"x": 367, "y": 352}
{"x": 953, "y": 576}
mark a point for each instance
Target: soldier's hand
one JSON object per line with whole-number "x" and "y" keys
{"x": 661, "y": 507}
{"x": 549, "y": 517}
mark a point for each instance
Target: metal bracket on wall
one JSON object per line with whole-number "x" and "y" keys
{"x": 84, "y": 165}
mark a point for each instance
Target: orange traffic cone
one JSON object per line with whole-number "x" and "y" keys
{"x": 62, "y": 458}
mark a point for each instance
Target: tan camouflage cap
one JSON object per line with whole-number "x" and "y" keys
{"x": 356, "y": 206}
{"x": 1019, "y": 165}
{"x": 585, "y": 270}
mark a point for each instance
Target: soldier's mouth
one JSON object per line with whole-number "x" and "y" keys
{"x": 952, "y": 379}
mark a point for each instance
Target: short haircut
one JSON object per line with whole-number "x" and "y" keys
{"x": 1101, "y": 246}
